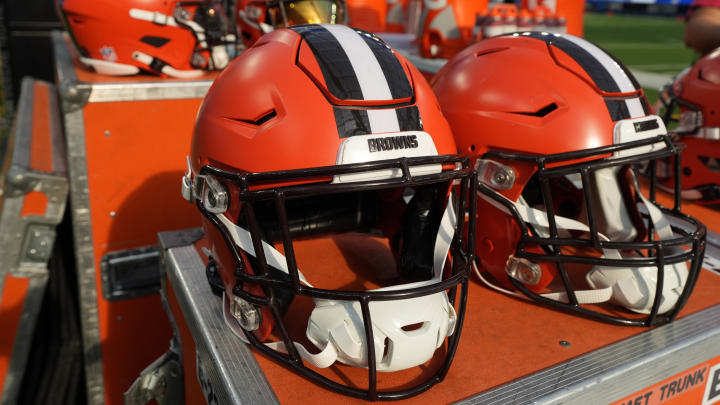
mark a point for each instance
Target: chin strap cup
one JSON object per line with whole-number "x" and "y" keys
{"x": 324, "y": 359}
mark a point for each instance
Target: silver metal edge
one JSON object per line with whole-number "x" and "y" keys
{"x": 73, "y": 93}
{"x": 82, "y": 226}
{"x": 243, "y": 378}
{"x": 59, "y": 163}
{"x": 23, "y": 125}
{"x": 23, "y": 339}
{"x": 713, "y": 239}
{"x": 160, "y": 90}
{"x": 617, "y": 370}
{"x": 20, "y": 142}
{"x": 21, "y": 179}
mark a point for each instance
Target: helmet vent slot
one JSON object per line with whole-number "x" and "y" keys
{"x": 263, "y": 118}
{"x": 413, "y": 326}
{"x": 156, "y": 42}
{"x": 539, "y": 113}
{"x": 386, "y": 350}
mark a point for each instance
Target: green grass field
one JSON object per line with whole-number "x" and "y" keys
{"x": 644, "y": 43}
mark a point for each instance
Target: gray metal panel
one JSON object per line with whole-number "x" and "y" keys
{"x": 26, "y": 242}
{"x": 618, "y": 370}
{"x": 15, "y": 238}
{"x": 226, "y": 362}
{"x": 82, "y": 227}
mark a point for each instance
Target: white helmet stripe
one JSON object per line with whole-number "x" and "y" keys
{"x": 613, "y": 68}
{"x": 370, "y": 76}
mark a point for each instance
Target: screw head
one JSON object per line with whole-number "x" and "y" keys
{"x": 500, "y": 178}
{"x": 564, "y": 343}
{"x": 247, "y": 314}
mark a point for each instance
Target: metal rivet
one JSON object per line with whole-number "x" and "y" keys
{"x": 107, "y": 132}
{"x": 564, "y": 343}
{"x": 112, "y": 213}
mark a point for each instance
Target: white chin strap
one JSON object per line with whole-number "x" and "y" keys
{"x": 146, "y": 60}
{"x": 110, "y": 68}
{"x": 630, "y": 287}
{"x": 406, "y": 332}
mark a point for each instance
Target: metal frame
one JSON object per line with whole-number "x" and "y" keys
{"x": 74, "y": 95}
{"x": 80, "y": 209}
{"x": 604, "y": 375}
{"x": 26, "y": 243}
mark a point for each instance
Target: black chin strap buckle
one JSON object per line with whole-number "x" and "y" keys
{"x": 213, "y": 277}
{"x": 157, "y": 65}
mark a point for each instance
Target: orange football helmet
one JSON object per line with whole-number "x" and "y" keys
{"x": 554, "y": 126}
{"x": 320, "y": 130}
{"x": 255, "y": 18}
{"x": 178, "y": 38}
{"x": 447, "y": 26}
{"x": 693, "y": 100}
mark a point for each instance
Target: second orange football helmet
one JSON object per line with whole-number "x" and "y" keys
{"x": 555, "y": 127}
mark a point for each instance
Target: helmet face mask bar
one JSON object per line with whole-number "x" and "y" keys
{"x": 552, "y": 240}
{"x": 212, "y": 32}
{"x": 258, "y": 290}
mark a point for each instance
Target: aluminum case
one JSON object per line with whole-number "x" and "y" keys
{"x": 222, "y": 369}
{"x": 33, "y": 194}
